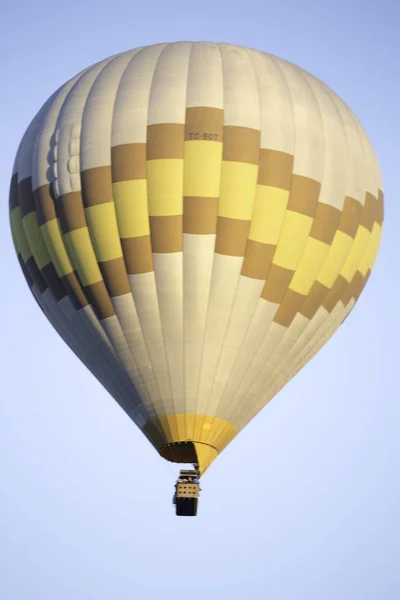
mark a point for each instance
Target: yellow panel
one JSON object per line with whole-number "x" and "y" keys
{"x": 237, "y": 191}
{"x": 171, "y": 428}
{"x": 55, "y": 245}
{"x": 337, "y": 255}
{"x": 102, "y": 222}
{"x": 205, "y": 456}
{"x": 292, "y": 240}
{"x": 310, "y": 265}
{"x": 19, "y": 234}
{"x": 131, "y": 208}
{"x": 82, "y": 255}
{"x": 356, "y": 253}
{"x": 165, "y": 186}
{"x": 202, "y": 174}
{"x": 15, "y": 241}
{"x": 35, "y": 240}
{"x": 268, "y": 214}
{"x": 371, "y": 252}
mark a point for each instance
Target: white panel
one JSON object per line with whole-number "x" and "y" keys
{"x": 115, "y": 333}
{"x": 132, "y": 99}
{"x": 69, "y": 128}
{"x": 168, "y": 271}
{"x": 225, "y": 279}
{"x": 246, "y": 301}
{"x": 56, "y": 314}
{"x": 113, "y": 368}
{"x": 357, "y": 176}
{"x": 309, "y": 140}
{"x": 90, "y": 316}
{"x": 371, "y": 172}
{"x": 96, "y": 353}
{"x": 127, "y": 315}
{"x": 169, "y": 86}
{"x": 205, "y": 83}
{"x": 337, "y": 159}
{"x": 267, "y": 365}
{"x": 315, "y": 344}
{"x": 291, "y": 335}
{"x": 23, "y": 163}
{"x": 98, "y": 114}
{"x": 241, "y": 99}
{"x": 45, "y": 152}
{"x": 260, "y": 324}
{"x": 310, "y": 331}
{"x": 245, "y": 304}
{"x": 198, "y": 256}
{"x": 144, "y": 291}
{"x": 276, "y": 110}
{"x": 330, "y": 323}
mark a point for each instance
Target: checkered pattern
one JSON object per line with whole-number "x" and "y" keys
{"x": 195, "y": 220}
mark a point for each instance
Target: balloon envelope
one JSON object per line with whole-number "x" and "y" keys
{"x": 195, "y": 220}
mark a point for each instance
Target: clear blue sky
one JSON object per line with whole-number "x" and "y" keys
{"x": 85, "y": 502}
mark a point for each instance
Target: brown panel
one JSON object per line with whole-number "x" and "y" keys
{"x": 25, "y": 196}
{"x": 96, "y": 186}
{"x": 304, "y": 195}
{"x": 277, "y": 284}
{"x": 200, "y": 215}
{"x": 165, "y": 140}
{"x": 204, "y": 123}
{"x": 98, "y": 297}
{"x": 275, "y": 169}
{"x": 137, "y": 254}
{"x": 74, "y": 290}
{"x": 325, "y": 223}
{"x": 241, "y": 144}
{"x": 44, "y": 204}
{"x": 314, "y": 299}
{"x": 166, "y": 233}
{"x": 54, "y": 282}
{"x": 289, "y": 308}
{"x": 13, "y": 198}
{"x": 232, "y": 236}
{"x": 351, "y": 216}
{"x": 355, "y": 288}
{"x": 359, "y": 289}
{"x": 36, "y": 275}
{"x": 128, "y": 161}
{"x": 71, "y": 212}
{"x": 115, "y": 277}
{"x": 257, "y": 259}
{"x": 336, "y": 293}
{"x": 379, "y": 213}
{"x": 369, "y": 212}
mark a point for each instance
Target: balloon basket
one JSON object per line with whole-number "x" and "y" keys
{"x": 187, "y": 492}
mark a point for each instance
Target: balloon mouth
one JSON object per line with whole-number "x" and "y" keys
{"x": 182, "y": 452}
{"x": 196, "y": 453}
{"x": 189, "y": 438}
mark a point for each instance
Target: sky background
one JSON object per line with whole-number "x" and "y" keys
{"x": 85, "y": 501}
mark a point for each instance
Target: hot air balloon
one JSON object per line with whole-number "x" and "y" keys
{"x": 195, "y": 220}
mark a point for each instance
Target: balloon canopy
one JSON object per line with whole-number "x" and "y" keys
{"x": 195, "y": 220}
